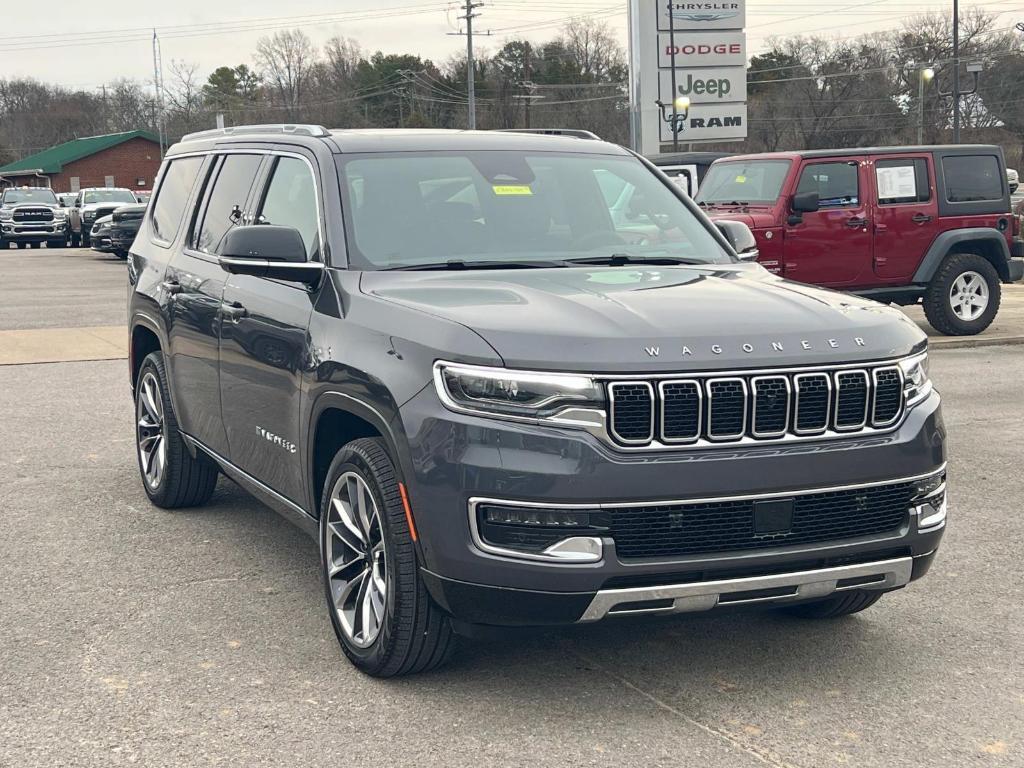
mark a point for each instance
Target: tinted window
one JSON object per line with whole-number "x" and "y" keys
{"x": 903, "y": 180}
{"x": 746, "y": 181}
{"x": 410, "y": 209}
{"x": 226, "y": 201}
{"x": 835, "y": 183}
{"x": 173, "y": 196}
{"x": 290, "y": 201}
{"x": 970, "y": 178}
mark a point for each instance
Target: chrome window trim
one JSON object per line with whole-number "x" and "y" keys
{"x": 611, "y": 412}
{"x": 796, "y": 403}
{"x": 902, "y": 410}
{"x": 753, "y": 409}
{"x": 869, "y": 401}
{"x": 700, "y": 412}
{"x": 711, "y": 404}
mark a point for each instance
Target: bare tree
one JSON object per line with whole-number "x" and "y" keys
{"x": 286, "y": 62}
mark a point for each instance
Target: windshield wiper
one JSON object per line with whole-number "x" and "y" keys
{"x": 622, "y": 259}
{"x": 457, "y": 265}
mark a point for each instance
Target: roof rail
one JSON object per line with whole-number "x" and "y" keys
{"x": 578, "y": 133}
{"x": 317, "y": 131}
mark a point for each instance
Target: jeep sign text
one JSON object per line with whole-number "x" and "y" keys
{"x": 706, "y": 86}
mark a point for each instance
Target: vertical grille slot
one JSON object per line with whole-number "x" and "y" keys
{"x": 888, "y": 405}
{"x": 681, "y": 405}
{"x": 770, "y": 395}
{"x": 727, "y": 408}
{"x": 813, "y": 395}
{"x": 852, "y": 390}
{"x": 632, "y": 411}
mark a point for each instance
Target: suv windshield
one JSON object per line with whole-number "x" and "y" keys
{"x": 108, "y": 196}
{"x": 743, "y": 181}
{"x": 40, "y": 195}
{"x": 489, "y": 208}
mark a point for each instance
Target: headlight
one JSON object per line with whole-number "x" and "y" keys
{"x": 524, "y": 394}
{"x": 916, "y": 384}
{"x": 6, "y": 215}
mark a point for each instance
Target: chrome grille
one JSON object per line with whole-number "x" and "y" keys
{"x": 761, "y": 406}
{"x": 31, "y": 215}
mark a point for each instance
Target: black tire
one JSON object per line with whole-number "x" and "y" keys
{"x": 186, "y": 481}
{"x": 938, "y": 307}
{"x": 84, "y": 239}
{"x": 34, "y": 245}
{"x": 54, "y": 243}
{"x": 414, "y": 635}
{"x": 833, "y": 607}
{"x": 20, "y": 245}
{"x": 75, "y": 240}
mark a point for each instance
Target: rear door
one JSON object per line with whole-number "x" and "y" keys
{"x": 195, "y": 280}
{"x": 264, "y": 337}
{"x": 831, "y": 246}
{"x": 906, "y": 211}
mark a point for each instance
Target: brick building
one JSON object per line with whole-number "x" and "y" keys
{"x": 115, "y": 160}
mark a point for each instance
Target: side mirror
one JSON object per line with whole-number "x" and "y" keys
{"x": 805, "y": 202}
{"x": 740, "y": 238}
{"x": 61, "y": 203}
{"x": 264, "y": 250}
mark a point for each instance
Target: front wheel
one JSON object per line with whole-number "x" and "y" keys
{"x": 963, "y": 297}
{"x": 833, "y": 607}
{"x": 385, "y": 620}
{"x": 54, "y": 243}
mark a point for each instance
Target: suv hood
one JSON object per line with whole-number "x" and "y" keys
{"x": 755, "y": 219}
{"x": 613, "y": 319}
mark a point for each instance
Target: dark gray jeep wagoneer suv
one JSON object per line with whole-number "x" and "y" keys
{"x": 511, "y": 379}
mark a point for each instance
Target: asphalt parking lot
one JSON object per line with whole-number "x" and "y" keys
{"x": 132, "y": 635}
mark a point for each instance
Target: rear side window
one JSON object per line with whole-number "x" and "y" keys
{"x": 225, "y": 208}
{"x": 972, "y": 178}
{"x": 173, "y": 196}
{"x": 835, "y": 183}
{"x": 903, "y": 180}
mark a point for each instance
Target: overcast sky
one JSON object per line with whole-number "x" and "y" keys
{"x": 40, "y": 40}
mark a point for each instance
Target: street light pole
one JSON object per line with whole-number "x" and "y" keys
{"x": 672, "y": 63}
{"x": 924, "y": 75}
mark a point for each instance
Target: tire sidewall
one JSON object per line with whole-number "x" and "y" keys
{"x": 376, "y": 655}
{"x": 152, "y": 365}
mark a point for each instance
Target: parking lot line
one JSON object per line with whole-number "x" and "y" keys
{"x": 63, "y": 345}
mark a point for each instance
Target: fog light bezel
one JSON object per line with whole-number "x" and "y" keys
{"x": 578, "y": 544}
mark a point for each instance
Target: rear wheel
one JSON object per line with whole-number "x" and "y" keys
{"x": 385, "y": 620}
{"x": 833, "y": 607}
{"x": 54, "y": 243}
{"x": 171, "y": 476}
{"x": 963, "y": 297}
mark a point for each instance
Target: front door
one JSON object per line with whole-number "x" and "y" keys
{"x": 195, "y": 280}
{"x": 831, "y": 246}
{"x": 905, "y": 216}
{"x": 264, "y": 341}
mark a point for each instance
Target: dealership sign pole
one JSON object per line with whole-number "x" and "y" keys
{"x": 690, "y": 53}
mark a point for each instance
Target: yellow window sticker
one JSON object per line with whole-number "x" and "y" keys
{"x": 512, "y": 189}
{"x": 741, "y": 179}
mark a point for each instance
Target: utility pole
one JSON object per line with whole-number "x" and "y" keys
{"x": 672, "y": 63}
{"x": 956, "y": 71}
{"x": 469, "y": 7}
{"x": 527, "y": 55}
{"x": 158, "y": 83}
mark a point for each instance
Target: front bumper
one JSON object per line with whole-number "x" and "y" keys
{"x": 453, "y": 459}
{"x": 33, "y": 233}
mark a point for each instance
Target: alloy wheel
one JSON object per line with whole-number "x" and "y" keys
{"x": 968, "y": 296}
{"x": 356, "y": 560}
{"x": 149, "y": 410}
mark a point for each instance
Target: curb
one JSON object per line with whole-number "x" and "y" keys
{"x": 970, "y": 342}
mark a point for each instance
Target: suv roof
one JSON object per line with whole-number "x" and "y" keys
{"x": 852, "y": 151}
{"x": 396, "y": 140}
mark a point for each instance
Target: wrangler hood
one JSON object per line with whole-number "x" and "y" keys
{"x": 614, "y": 319}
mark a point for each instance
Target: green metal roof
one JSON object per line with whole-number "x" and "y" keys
{"x": 52, "y": 160}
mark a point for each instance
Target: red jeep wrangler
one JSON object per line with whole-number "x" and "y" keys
{"x": 899, "y": 224}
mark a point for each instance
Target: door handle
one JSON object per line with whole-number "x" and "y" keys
{"x": 920, "y": 218}
{"x": 856, "y": 223}
{"x": 172, "y": 287}
{"x": 234, "y": 311}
